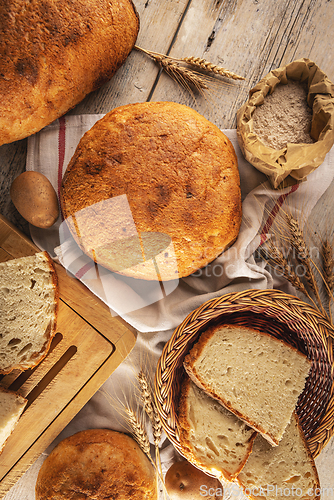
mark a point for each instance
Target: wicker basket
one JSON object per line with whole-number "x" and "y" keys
{"x": 284, "y": 316}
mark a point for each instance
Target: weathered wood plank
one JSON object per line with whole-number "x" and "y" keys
{"x": 134, "y": 80}
{"x": 249, "y": 38}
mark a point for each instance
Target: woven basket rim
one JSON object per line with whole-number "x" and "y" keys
{"x": 287, "y": 310}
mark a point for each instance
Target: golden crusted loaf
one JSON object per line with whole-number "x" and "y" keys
{"x": 96, "y": 464}
{"x": 53, "y": 53}
{"x": 153, "y": 180}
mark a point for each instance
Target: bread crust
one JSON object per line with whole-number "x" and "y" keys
{"x": 53, "y": 53}
{"x": 191, "y": 371}
{"x": 99, "y": 464}
{"x": 179, "y": 177}
{"x": 184, "y": 430}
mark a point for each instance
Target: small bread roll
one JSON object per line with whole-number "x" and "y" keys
{"x": 96, "y": 464}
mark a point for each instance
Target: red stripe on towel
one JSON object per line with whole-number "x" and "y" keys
{"x": 79, "y": 274}
{"x": 274, "y": 212}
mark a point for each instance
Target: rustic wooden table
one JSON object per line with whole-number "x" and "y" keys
{"x": 249, "y": 37}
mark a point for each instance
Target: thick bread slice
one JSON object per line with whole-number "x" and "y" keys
{"x": 11, "y": 408}
{"x": 253, "y": 374}
{"x": 211, "y": 437}
{"x": 28, "y": 310}
{"x": 287, "y": 470}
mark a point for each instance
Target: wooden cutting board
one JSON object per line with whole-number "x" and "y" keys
{"x": 89, "y": 345}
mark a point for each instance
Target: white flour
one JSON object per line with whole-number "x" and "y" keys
{"x": 284, "y": 116}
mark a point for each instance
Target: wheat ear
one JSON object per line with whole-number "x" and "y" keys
{"x": 211, "y": 68}
{"x": 152, "y": 413}
{"x": 189, "y": 78}
{"x": 138, "y": 431}
{"x": 303, "y": 257}
{"x": 149, "y": 406}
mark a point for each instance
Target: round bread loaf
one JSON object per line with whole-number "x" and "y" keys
{"x": 53, "y": 53}
{"x": 153, "y": 191}
{"x": 96, "y": 464}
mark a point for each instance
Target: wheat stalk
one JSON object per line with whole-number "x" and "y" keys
{"x": 138, "y": 431}
{"x": 188, "y": 78}
{"x": 149, "y": 407}
{"x": 303, "y": 257}
{"x": 328, "y": 266}
{"x": 274, "y": 256}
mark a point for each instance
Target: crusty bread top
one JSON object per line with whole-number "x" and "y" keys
{"x": 253, "y": 374}
{"x": 53, "y": 53}
{"x": 99, "y": 464}
{"x": 212, "y": 437}
{"x": 178, "y": 177}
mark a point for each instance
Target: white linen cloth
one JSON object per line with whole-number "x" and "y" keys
{"x": 153, "y": 316}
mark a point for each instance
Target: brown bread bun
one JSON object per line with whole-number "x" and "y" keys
{"x": 53, "y": 53}
{"x": 96, "y": 464}
{"x": 156, "y": 179}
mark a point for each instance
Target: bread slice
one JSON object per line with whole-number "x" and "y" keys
{"x": 253, "y": 374}
{"x": 287, "y": 470}
{"x": 11, "y": 408}
{"x": 28, "y": 310}
{"x": 211, "y": 437}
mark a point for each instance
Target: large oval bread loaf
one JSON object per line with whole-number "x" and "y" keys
{"x": 53, "y": 53}
{"x": 153, "y": 191}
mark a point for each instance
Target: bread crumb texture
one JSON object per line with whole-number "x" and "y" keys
{"x": 284, "y": 117}
{"x": 96, "y": 464}
{"x": 284, "y": 471}
{"x": 253, "y": 374}
{"x": 11, "y": 408}
{"x": 28, "y": 310}
{"x": 211, "y": 436}
{"x": 153, "y": 180}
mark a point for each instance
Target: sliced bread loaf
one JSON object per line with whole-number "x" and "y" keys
{"x": 211, "y": 437}
{"x": 253, "y": 374}
{"x": 28, "y": 310}
{"x": 287, "y": 470}
{"x": 11, "y": 408}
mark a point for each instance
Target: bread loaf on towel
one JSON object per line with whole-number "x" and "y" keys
{"x": 53, "y": 53}
{"x": 28, "y": 310}
{"x": 96, "y": 464}
{"x": 211, "y": 437}
{"x": 284, "y": 471}
{"x": 253, "y": 374}
{"x": 11, "y": 408}
{"x": 153, "y": 191}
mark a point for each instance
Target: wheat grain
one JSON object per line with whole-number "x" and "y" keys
{"x": 138, "y": 431}
{"x": 188, "y": 78}
{"x": 211, "y": 68}
{"x": 149, "y": 406}
{"x": 328, "y": 262}
{"x": 275, "y": 258}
